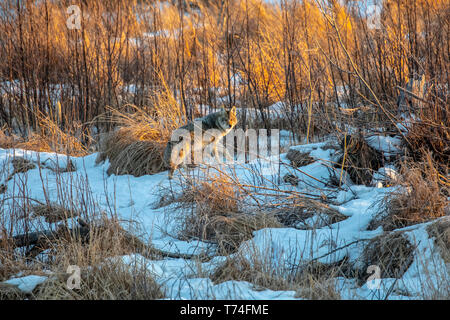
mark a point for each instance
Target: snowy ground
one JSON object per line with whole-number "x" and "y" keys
{"x": 135, "y": 199}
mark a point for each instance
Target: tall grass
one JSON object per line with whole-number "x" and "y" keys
{"x": 308, "y": 54}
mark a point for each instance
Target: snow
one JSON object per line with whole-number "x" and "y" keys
{"x": 136, "y": 199}
{"x": 389, "y": 146}
{"x": 27, "y": 283}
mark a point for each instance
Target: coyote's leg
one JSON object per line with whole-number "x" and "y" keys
{"x": 171, "y": 173}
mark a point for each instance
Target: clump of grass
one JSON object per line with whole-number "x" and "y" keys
{"x": 316, "y": 281}
{"x": 129, "y": 156}
{"x": 440, "y": 230}
{"x": 217, "y": 194}
{"x": 53, "y": 212}
{"x": 137, "y": 146}
{"x": 359, "y": 159}
{"x": 392, "y": 253}
{"x": 49, "y": 138}
{"x": 22, "y": 165}
{"x": 296, "y": 214}
{"x": 431, "y": 137}
{"x": 211, "y": 212}
{"x": 313, "y": 281}
{"x": 112, "y": 280}
{"x": 421, "y": 199}
{"x": 257, "y": 271}
{"x": 11, "y": 292}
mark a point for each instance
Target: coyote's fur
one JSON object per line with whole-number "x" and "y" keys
{"x": 212, "y": 127}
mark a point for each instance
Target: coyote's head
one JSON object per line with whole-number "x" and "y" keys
{"x": 227, "y": 118}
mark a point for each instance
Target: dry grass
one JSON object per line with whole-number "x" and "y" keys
{"x": 440, "y": 230}
{"x": 102, "y": 277}
{"x": 22, "y": 165}
{"x": 392, "y": 253}
{"x": 317, "y": 283}
{"x": 49, "y": 138}
{"x": 6, "y": 141}
{"x": 130, "y": 156}
{"x": 53, "y": 212}
{"x": 299, "y": 159}
{"x": 423, "y": 198}
{"x": 137, "y": 146}
{"x": 211, "y": 212}
{"x": 113, "y": 280}
{"x": 313, "y": 281}
{"x": 106, "y": 239}
{"x": 359, "y": 159}
{"x": 296, "y": 214}
{"x": 216, "y": 194}
{"x": 431, "y": 137}
{"x": 11, "y": 292}
{"x": 99, "y": 237}
{"x": 257, "y": 272}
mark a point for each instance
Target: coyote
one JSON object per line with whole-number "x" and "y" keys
{"x": 212, "y": 127}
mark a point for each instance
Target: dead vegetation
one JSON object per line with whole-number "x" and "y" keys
{"x": 11, "y": 292}
{"x": 48, "y": 138}
{"x": 298, "y": 158}
{"x": 430, "y": 138}
{"x": 114, "y": 280}
{"x": 440, "y": 230}
{"x": 211, "y": 212}
{"x": 298, "y": 213}
{"x": 359, "y": 160}
{"x": 421, "y": 198}
{"x": 258, "y": 272}
{"x": 137, "y": 147}
{"x": 313, "y": 281}
{"x": 22, "y": 165}
{"x": 257, "y": 55}
{"x": 392, "y": 253}
{"x": 317, "y": 280}
{"x": 53, "y": 213}
{"x": 128, "y": 155}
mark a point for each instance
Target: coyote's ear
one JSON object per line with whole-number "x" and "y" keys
{"x": 232, "y": 110}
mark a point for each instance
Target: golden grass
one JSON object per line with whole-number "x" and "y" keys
{"x": 49, "y": 138}
{"x": 129, "y": 156}
{"x": 211, "y": 212}
{"x": 422, "y": 198}
{"x": 216, "y": 194}
{"x": 300, "y": 209}
{"x": 113, "y": 280}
